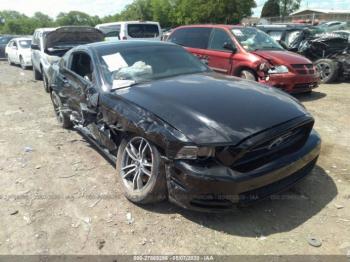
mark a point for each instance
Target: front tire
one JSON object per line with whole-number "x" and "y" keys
{"x": 247, "y": 74}
{"x": 37, "y": 74}
{"x": 62, "y": 118}
{"x": 328, "y": 70}
{"x": 141, "y": 171}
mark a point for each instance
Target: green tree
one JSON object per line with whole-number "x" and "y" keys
{"x": 288, "y": 6}
{"x": 271, "y": 8}
{"x": 76, "y": 18}
{"x": 213, "y": 11}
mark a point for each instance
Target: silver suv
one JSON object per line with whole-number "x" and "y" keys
{"x": 50, "y": 44}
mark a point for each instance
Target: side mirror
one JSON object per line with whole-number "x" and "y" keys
{"x": 230, "y": 47}
{"x": 34, "y": 47}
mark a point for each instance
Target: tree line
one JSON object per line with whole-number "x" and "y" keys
{"x": 169, "y": 13}
{"x": 279, "y": 8}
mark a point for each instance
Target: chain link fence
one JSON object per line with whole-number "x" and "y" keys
{"x": 313, "y": 18}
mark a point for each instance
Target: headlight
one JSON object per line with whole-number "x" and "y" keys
{"x": 194, "y": 152}
{"x": 278, "y": 70}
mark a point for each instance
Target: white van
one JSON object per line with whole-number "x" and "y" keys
{"x": 131, "y": 30}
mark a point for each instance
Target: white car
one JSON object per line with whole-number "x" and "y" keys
{"x": 131, "y": 30}
{"x": 18, "y": 52}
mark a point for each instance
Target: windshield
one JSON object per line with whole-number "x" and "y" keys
{"x": 143, "y": 30}
{"x": 25, "y": 43}
{"x": 4, "y": 40}
{"x": 253, "y": 39}
{"x": 126, "y": 66}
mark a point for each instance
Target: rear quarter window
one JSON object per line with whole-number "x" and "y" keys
{"x": 191, "y": 37}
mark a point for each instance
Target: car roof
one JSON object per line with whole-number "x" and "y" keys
{"x": 212, "y": 26}
{"x": 21, "y": 38}
{"x": 127, "y": 22}
{"x": 121, "y": 44}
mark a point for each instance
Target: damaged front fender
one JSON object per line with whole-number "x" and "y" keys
{"x": 124, "y": 116}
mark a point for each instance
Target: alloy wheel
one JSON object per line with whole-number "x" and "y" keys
{"x": 137, "y": 162}
{"x": 325, "y": 70}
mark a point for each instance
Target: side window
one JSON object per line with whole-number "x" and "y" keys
{"x": 276, "y": 35}
{"x": 81, "y": 64}
{"x": 196, "y": 37}
{"x": 219, "y": 38}
{"x": 14, "y": 44}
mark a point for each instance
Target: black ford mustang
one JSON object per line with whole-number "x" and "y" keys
{"x": 177, "y": 130}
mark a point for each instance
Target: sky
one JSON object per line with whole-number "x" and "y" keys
{"x": 53, "y": 8}
{"x": 108, "y": 7}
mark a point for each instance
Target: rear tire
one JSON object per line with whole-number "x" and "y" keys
{"x": 37, "y": 74}
{"x": 62, "y": 118}
{"x": 147, "y": 184}
{"x": 328, "y": 70}
{"x": 247, "y": 74}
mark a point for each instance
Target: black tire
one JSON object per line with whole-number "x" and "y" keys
{"x": 46, "y": 83}
{"x": 247, "y": 74}
{"x": 154, "y": 190}
{"x": 21, "y": 61}
{"x": 62, "y": 118}
{"x": 37, "y": 74}
{"x": 328, "y": 70}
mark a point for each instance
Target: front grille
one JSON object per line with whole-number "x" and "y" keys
{"x": 268, "y": 149}
{"x": 304, "y": 69}
{"x": 276, "y": 187}
{"x": 305, "y": 86}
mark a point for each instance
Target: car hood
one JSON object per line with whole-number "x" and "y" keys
{"x": 72, "y": 36}
{"x": 282, "y": 57}
{"x": 210, "y": 109}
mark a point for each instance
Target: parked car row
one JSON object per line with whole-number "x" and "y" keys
{"x": 174, "y": 127}
{"x": 248, "y": 53}
{"x": 328, "y": 50}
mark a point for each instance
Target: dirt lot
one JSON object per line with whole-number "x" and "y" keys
{"x": 60, "y": 196}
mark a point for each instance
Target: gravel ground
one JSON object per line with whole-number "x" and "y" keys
{"x": 60, "y": 196}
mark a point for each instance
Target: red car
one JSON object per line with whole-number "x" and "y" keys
{"x": 248, "y": 53}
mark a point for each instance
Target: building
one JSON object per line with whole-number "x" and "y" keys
{"x": 321, "y": 14}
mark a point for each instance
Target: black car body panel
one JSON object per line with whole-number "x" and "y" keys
{"x": 207, "y": 108}
{"x": 261, "y": 136}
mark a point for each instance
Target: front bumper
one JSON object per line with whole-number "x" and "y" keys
{"x": 218, "y": 188}
{"x": 293, "y": 83}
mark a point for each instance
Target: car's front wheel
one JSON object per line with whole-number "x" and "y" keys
{"x": 247, "y": 74}
{"x": 328, "y": 70}
{"x": 141, "y": 171}
{"x": 63, "y": 119}
{"x": 37, "y": 74}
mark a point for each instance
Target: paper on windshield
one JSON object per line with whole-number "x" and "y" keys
{"x": 114, "y": 62}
